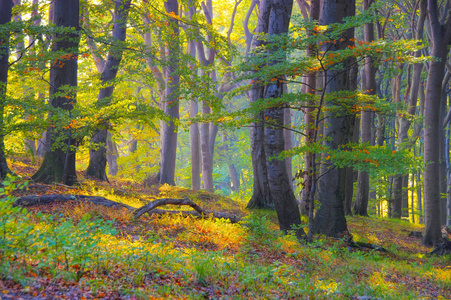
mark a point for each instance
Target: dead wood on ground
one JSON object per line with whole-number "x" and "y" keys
{"x": 32, "y": 200}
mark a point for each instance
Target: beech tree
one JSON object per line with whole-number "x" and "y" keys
{"x": 330, "y": 217}
{"x": 273, "y": 20}
{"x": 108, "y": 70}
{"x": 6, "y": 7}
{"x": 440, "y": 38}
{"x": 59, "y": 160}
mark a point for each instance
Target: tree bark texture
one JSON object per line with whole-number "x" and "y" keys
{"x": 330, "y": 217}
{"x": 441, "y": 36}
{"x": 98, "y": 154}
{"x": 6, "y": 7}
{"x": 59, "y": 161}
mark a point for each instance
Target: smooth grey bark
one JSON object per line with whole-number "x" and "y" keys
{"x": 112, "y": 155}
{"x": 6, "y": 7}
{"x": 98, "y": 154}
{"x": 288, "y": 141}
{"x": 171, "y": 105}
{"x": 279, "y": 183}
{"x": 261, "y": 196}
{"x": 366, "y": 121}
{"x": 442, "y": 161}
{"x": 194, "y": 127}
{"x": 59, "y": 162}
{"x": 309, "y": 119}
{"x": 440, "y": 39}
{"x": 330, "y": 217}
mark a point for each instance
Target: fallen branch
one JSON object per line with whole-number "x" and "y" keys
{"x": 32, "y": 200}
{"x": 199, "y": 212}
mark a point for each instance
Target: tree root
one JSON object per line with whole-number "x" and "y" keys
{"x": 32, "y": 200}
{"x": 444, "y": 248}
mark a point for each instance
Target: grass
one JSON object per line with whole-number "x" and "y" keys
{"x": 87, "y": 251}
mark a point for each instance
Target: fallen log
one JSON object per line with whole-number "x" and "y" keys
{"x": 199, "y": 212}
{"x": 32, "y": 200}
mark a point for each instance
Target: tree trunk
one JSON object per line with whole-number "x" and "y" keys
{"x": 112, "y": 156}
{"x": 171, "y": 104}
{"x": 309, "y": 120}
{"x": 366, "y": 121}
{"x": 261, "y": 196}
{"x": 288, "y": 141}
{"x": 194, "y": 127}
{"x": 195, "y": 149}
{"x": 441, "y": 36}
{"x": 330, "y": 218}
{"x": 5, "y": 17}
{"x": 442, "y": 161}
{"x": 59, "y": 162}
{"x": 98, "y": 154}
{"x": 279, "y": 183}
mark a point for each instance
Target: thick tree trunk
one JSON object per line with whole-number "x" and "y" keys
{"x": 441, "y": 37}
{"x": 59, "y": 162}
{"x": 5, "y": 17}
{"x": 279, "y": 183}
{"x": 98, "y": 154}
{"x": 330, "y": 218}
{"x": 261, "y": 196}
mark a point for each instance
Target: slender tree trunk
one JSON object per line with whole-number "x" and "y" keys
{"x": 59, "y": 162}
{"x": 369, "y": 87}
{"x": 288, "y": 140}
{"x": 5, "y": 17}
{"x": 330, "y": 218}
{"x": 194, "y": 127}
{"x": 441, "y": 37}
{"x": 97, "y": 155}
{"x": 442, "y": 161}
{"x": 309, "y": 121}
{"x": 171, "y": 105}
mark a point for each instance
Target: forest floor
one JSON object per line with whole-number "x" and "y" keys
{"x": 76, "y": 250}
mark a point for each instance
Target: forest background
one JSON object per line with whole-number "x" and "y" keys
{"x": 350, "y": 100}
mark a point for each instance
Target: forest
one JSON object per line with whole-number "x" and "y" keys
{"x": 242, "y": 149}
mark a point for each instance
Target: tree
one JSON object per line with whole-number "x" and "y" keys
{"x": 261, "y": 196}
{"x": 274, "y": 19}
{"x": 6, "y": 7}
{"x": 59, "y": 161}
{"x": 369, "y": 87}
{"x": 330, "y": 218}
{"x": 171, "y": 100}
{"x": 440, "y": 38}
{"x": 108, "y": 69}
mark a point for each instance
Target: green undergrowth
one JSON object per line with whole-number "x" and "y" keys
{"x": 173, "y": 256}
